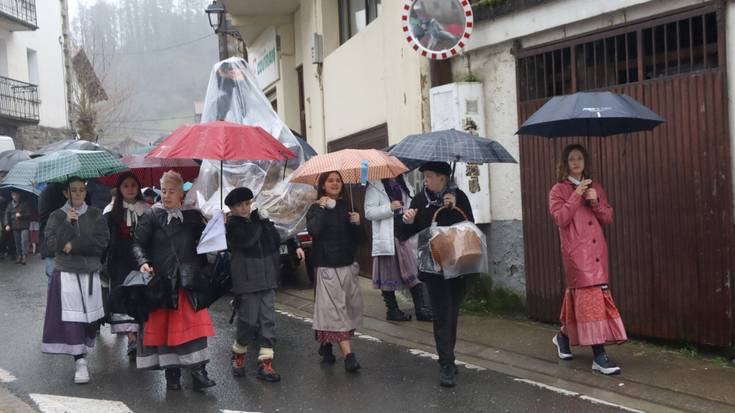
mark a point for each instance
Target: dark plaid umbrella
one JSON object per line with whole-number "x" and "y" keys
{"x": 8, "y": 159}
{"x": 590, "y": 114}
{"x": 451, "y": 146}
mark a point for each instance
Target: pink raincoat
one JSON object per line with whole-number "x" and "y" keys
{"x": 583, "y": 246}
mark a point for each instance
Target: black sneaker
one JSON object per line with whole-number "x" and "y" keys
{"x": 562, "y": 346}
{"x": 351, "y": 364}
{"x": 446, "y": 375}
{"x": 603, "y": 364}
{"x": 325, "y": 350}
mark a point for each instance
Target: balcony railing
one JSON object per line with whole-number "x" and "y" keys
{"x": 24, "y": 11}
{"x": 18, "y": 101}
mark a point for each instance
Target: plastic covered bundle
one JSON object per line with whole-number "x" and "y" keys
{"x": 233, "y": 95}
{"x": 453, "y": 250}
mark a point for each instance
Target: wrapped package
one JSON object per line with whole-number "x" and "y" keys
{"x": 453, "y": 250}
{"x": 234, "y": 95}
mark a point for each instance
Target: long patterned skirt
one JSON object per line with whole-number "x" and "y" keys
{"x": 395, "y": 272}
{"x": 589, "y": 317}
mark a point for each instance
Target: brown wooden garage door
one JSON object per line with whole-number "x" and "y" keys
{"x": 671, "y": 243}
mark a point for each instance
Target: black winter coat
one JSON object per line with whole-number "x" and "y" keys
{"x": 51, "y": 199}
{"x": 255, "y": 261}
{"x": 154, "y": 243}
{"x": 18, "y": 223}
{"x": 335, "y": 239}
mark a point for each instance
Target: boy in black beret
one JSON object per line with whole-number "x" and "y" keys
{"x": 253, "y": 242}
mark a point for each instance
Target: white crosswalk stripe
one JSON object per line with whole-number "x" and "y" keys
{"x": 6, "y": 376}
{"x": 49, "y": 403}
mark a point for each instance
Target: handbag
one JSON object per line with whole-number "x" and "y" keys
{"x": 455, "y": 246}
{"x": 220, "y": 283}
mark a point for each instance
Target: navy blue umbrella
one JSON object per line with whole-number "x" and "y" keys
{"x": 590, "y": 114}
{"x": 450, "y": 145}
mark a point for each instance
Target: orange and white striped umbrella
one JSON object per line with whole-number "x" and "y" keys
{"x": 351, "y": 164}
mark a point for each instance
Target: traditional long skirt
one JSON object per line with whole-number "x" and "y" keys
{"x": 337, "y": 303}
{"x": 395, "y": 272}
{"x": 68, "y": 337}
{"x": 175, "y": 338}
{"x": 589, "y": 317}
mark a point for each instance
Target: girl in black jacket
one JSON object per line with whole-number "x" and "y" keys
{"x": 446, "y": 295}
{"x": 336, "y": 233}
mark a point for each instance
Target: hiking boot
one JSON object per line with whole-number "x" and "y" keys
{"x": 446, "y": 375}
{"x": 23, "y": 260}
{"x": 200, "y": 379}
{"x": 351, "y": 364}
{"x": 173, "y": 378}
{"x": 266, "y": 371}
{"x": 393, "y": 313}
{"x": 238, "y": 364}
{"x": 18, "y": 259}
{"x": 562, "y": 346}
{"x": 603, "y": 364}
{"x": 325, "y": 350}
{"x": 81, "y": 375}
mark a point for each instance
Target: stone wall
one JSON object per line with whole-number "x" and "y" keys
{"x": 36, "y": 137}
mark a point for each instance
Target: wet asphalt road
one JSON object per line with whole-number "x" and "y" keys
{"x": 391, "y": 380}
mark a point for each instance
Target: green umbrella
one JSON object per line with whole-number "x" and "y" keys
{"x": 62, "y": 165}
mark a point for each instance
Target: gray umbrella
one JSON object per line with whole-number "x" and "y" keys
{"x": 8, "y": 159}
{"x": 76, "y": 144}
{"x": 590, "y": 114}
{"x": 451, "y": 145}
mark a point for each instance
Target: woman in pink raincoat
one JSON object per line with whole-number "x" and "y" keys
{"x": 579, "y": 208}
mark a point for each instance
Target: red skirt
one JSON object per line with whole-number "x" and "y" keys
{"x": 589, "y": 317}
{"x": 167, "y": 327}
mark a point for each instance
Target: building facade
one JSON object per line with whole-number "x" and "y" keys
{"x": 346, "y": 77}
{"x": 33, "y": 89}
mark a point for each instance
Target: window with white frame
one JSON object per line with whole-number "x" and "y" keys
{"x": 355, "y": 15}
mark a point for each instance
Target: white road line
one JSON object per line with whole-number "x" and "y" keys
{"x": 368, "y": 338}
{"x": 235, "y": 411}
{"x": 602, "y": 402}
{"x": 6, "y": 376}
{"x": 547, "y": 387}
{"x": 422, "y": 353}
{"x": 48, "y": 403}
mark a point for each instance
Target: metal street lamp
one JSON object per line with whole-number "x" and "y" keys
{"x": 218, "y": 21}
{"x": 216, "y": 15}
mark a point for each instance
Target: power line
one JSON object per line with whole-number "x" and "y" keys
{"x": 162, "y": 49}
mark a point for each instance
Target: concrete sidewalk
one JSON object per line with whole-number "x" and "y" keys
{"x": 652, "y": 378}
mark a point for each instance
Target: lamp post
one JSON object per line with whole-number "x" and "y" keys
{"x": 216, "y": 14}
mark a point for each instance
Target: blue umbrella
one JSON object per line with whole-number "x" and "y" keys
{"x": 590, "y": 114}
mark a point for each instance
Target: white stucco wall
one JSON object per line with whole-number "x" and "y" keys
{"x": 45, "y": 41}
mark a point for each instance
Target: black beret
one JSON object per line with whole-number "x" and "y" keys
{"x": 438, "y": 167}
{"x": 238, "y": 195}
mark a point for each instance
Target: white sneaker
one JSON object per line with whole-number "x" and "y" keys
{"x": 81, "y": 375}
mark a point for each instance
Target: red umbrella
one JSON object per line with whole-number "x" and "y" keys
{"x": 222, "y": 141}
{"x": 150, "y": 170}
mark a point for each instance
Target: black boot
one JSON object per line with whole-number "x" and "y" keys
{"x": 393, "y": 313}
{"x": 173, "y": 378}
{"x": 325, "y": 350}
{"x": 351, "y": 364}
{"x": 199, "y": 378}
{"x": 423, "y": 313}
{"x": 446, "y": 375}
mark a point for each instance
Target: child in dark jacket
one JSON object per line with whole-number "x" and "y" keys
{"x": 253, "y": 242}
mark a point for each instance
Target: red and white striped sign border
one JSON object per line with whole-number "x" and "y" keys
{"x": 438, "y": 54}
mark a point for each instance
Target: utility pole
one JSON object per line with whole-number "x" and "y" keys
{"x": 223, "y": 51}
{"x": 68, "y": 75}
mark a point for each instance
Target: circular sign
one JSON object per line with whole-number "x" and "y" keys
{"x": 437, "y": 29}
